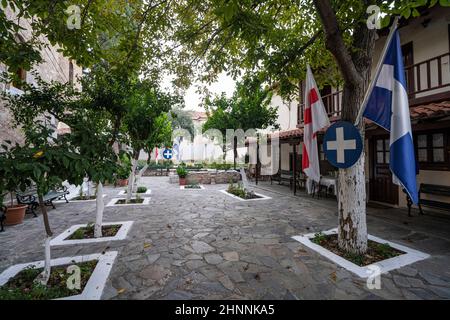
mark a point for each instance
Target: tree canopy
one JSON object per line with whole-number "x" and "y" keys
{"x": 248, "y": 108}
{"x": 146, "y": 123}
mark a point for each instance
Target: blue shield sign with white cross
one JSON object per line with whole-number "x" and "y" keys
{"x": 342, "y": 144}
{"x": 167, "y": 154}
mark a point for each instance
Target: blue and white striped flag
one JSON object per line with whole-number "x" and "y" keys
{"x": 388, "y": 107}
{"x": 176, "y": 148}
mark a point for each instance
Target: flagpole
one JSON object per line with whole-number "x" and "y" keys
{"x": 377, "y": 72}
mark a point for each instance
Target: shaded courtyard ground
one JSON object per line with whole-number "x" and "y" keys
{"x": 203, "y": 244}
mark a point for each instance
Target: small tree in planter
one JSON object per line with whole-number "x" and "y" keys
{"x": 46, "y": 162}
{"x": 146, "y": 124}
{"x": 91, "y": 134}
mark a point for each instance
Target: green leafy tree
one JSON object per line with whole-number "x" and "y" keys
{"x": 86, "y": 31}
{"x": 276, "y": 39}
{"x": 146, "y": 124}
{"x": 45, "y": 162}
{"x": 182, "y": 119}
{"x": 248, "y": 108}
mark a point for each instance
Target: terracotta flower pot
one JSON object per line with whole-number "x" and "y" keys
{"x": 122, "y": 182}
{"x": 15, "y": 214}
{"x": 182, "y": 181}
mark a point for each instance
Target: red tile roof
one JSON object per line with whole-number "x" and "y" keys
{"x": 286, "y": 134}
{"x": 431, "y": 110}
{"x": 198, "y": 115}
{"x": 421, "y": 112}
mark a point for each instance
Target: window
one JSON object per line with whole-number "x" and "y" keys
{"x": 422, "y": 151}
{"x": 383, "y": 153}
{"x": 432, "y": 149}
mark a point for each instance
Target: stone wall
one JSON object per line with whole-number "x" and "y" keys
{"x": 54, "y": 67}
{"x": 209, "y": 177}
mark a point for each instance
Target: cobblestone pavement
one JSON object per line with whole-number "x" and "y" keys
{"x": 203, "y": 244}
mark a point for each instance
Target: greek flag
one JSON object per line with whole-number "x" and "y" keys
{"x": 388, "y": 107}
{"x": 176, "y": 148}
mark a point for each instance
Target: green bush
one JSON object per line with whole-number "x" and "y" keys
{"x": 141, "y": 190}
{"x": 240, "y": 191}
{"x": 182, "y": 172}
{"x": 219, "y": 166}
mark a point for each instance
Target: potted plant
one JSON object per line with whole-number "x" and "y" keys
{"x": 182, "y": 173}
{"x": 15, "y": 213}
{"x": 13, "y": 176}
{"x": 122, "y": 182}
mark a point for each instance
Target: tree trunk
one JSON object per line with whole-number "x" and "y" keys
{"x": 131, "y": 179}
{"x": 45, "y": 275}
{"x": 138, "y": 177}
{"x": 352, "y": 230}
{"x": 99, "y": 211}
{"x": 355, "y": 65}
{"x": 224, "y": 150}
{"x": 235, "y": 154}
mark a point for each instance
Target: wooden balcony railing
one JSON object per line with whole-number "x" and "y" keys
{"x": 426, "y": 79}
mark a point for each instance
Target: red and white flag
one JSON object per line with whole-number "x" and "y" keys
{"x": 316, "y": 118}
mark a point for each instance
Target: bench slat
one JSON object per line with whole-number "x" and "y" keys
{"x": 435, "y": 189}
{"x": 433, "y": 203}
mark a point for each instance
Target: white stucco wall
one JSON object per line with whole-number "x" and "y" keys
{"x": 287, "y": 112}
{"x": 428, "y": 42}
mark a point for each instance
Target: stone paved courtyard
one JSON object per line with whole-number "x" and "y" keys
{"x": 202, "y": 244}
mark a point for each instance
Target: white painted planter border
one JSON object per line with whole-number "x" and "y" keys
{"x": 184, "y": 188}
{"x": 120, "y": 235}
{"x": 76, "y": 201}
{"x": 385, "y": 266}
{"x": 96, "y": 283}
{"x": 112, "y": 203}
{"x": 262, "y": 197}
{"x": 123, "y": 193}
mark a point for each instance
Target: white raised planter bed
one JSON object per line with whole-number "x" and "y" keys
{"x": 76, "y": 201}
{"x": 96, "y": 283}
{"x": 410, "y": 255}
{"x": 62, "y": 240}
{"x": 124, "y": 193}
{"x": 184, "y": 188}
{"x": 261, "y": 196}
{"x": 112, "y": 203}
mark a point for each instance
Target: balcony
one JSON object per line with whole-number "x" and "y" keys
{"x": 427, "y": 81}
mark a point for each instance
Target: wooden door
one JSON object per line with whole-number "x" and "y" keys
{"x": 381, "y": 187}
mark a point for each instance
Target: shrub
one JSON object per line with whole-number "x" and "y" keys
{"x": 182, "y": 172}
{"x": 240, "y": 191}
{"x": 141, "y": 189}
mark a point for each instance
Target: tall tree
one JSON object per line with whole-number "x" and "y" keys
{"x": 248, "y": 108}
{"x": 275, "y": 39}
{"x": 46, "y": 160}
{"x": 86, "y": 31}
{"x": 182, "y": 119}
{"x": 146, "y": 124}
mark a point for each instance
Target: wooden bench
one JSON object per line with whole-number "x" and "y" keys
{"x": 30, "y": 198}
{"x": 433, "y": 189}
{"x": 282, "y": 176}
{"x": 287, "y": 176}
